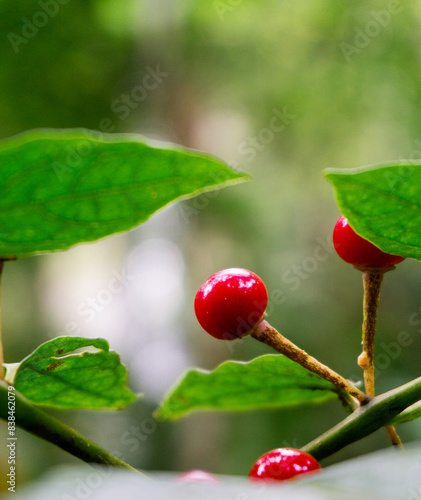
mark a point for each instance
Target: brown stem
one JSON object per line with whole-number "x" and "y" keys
{"x": 372, "y": 280}
{"x": 393, "y": 436}
{"x": 265, "y": 333}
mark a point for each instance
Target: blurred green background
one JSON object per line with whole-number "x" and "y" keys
{"x": 280, "y": 89}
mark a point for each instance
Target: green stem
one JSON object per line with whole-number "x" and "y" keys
{"x": 365, "y": 420}
{"x": 33, "y": 420}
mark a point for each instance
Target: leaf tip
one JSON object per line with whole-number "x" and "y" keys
{"x": 329, "y": 173}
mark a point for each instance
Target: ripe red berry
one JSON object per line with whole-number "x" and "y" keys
{"x": 197, "y": 476}
{"x": 355, "y": 250}
{"x": 231, "y": 303}
{"x": 282, "y": 464}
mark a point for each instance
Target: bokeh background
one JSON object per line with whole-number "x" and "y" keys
{"x": 280, "y": 89}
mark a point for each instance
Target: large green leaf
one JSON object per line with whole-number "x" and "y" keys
{"x": 267, "y": 381}
{"x": 63, "y": 187}
{"x": 383, "y": 204}
{"x": 73, "y": 372}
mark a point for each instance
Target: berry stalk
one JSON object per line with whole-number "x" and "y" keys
{"x": 39, "y": 423}
{"x": 265, "y": 333}
{"x": 373, "y": 263}
{"x": 393, "y": 436}
{"x": 372, "y": 280}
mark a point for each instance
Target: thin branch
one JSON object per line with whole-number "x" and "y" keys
{"x": 372, "y": 280}
{"x": 265, "y": 333}
{"x": 35, "y": 421}
{"x": 393, "y": 436}
{"x": 366, "y": 420}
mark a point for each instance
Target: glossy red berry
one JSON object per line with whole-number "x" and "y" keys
{"x": 282, "y": 464}
{"x": 197, "y": 476}
{"x": 357, "y": 251}
{"x": 231, "y": 303}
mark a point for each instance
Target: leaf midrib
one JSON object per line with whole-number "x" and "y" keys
{"x": 30, "y": 366}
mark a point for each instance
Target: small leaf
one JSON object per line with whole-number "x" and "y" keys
{"x": 74, "y": 373}
{"x": 268, "y": 381}
{"x": 383, "y": 204}
{"x": 411, "y": 413}
{"x": 63, "y": 187}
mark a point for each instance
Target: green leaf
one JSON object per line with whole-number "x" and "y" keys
{"x": 411, "y": 413}
{"x": 63, "y": 187}
{"x": 74, "y": 373}
{"x": 383, "y": 204}
{"x": 268, "y": 381}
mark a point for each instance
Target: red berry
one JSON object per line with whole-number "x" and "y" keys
{"x": 197, "y": 476}
{"x": 282, "y": 464}
{"x": 231, "y": 303}
{"x": 355, "y": 250}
